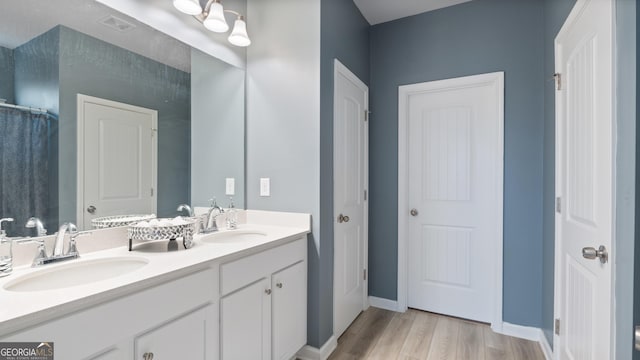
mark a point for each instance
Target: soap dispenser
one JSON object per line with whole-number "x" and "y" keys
{"x": 232, "y": 215}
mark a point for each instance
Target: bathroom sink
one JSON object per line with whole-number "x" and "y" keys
{"x": 76, "y": 272}
{"x": 234, "y": 236}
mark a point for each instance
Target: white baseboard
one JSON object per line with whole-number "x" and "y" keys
{"x": 311, "y": 353}
{"x": 520, "y": 331}
{"x": 385, "y": 304}
{"x": 528, "y": 333}
{"x": 546, "y": 348}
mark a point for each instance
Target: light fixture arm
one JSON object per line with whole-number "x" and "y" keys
{"x": 207, "y": 9}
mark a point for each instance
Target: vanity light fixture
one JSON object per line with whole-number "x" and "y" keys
{"x": 212, "y": 17}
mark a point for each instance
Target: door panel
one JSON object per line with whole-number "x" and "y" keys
{"x": 245, "y": 318}
{"x": 289, "y": 311}
{"x": 453, "y": 166}
{"x": 118, "y": 160}
{"x": 584, "y": 180}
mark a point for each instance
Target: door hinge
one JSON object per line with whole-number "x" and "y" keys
{"x": 365, "y": 195}
{"x": 556, "y": 327}
{"x": 558, "y": 78}
{"x": 151, "y": 191}
{"x": 559, "y": 205}
{"x": 366, "y": 115}
{"x": 364, "y": 274}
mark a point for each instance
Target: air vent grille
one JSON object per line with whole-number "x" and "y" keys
{"x": 117, "y": 23}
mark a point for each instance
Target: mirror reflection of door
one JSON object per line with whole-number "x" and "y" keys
{"x": 117, "y": 159}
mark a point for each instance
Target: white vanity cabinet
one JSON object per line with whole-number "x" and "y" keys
{"x": 263, "y": 309}
{"x": 173, "y": 320}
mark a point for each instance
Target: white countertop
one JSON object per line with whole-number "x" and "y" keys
{"x": 19, "y": 310}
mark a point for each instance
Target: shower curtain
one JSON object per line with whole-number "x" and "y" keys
{"x": 24, "y": 168}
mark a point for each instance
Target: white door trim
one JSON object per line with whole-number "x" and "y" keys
{"x": 341, "y": 70}
{"x": 404, "y": 93}
{"x": 81, "y": 101}
{"x": 573, "y": 17}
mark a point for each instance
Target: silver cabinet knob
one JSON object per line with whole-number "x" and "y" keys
{"x": 267, "y": 291}
{"x": 343, "y": 218}
{"x": 279, "y": 285}
{"x": 92, "y": 210}
{"x": 591, "y": 253}
{"x": 147, "y": 356}
{"x": 414, "y": 212}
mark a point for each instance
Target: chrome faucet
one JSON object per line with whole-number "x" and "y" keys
{"x": 58, "y": 254}
{"x": 34, "y": 222}
{"x": 185, "y": 207}
{"x": 58, "y": 245}
{"x": 209, "y": 224}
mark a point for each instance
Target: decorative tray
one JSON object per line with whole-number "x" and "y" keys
{"x": 120, "y": 220}
{"x": 164, "y": 229}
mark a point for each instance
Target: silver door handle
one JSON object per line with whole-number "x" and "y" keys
{"x": 414, "y": 212}
{"x": 343, "y": 218}
{"x": 91, "y": 209}
{"x": 591, "y": 253}
{"x": 637, "y": 338}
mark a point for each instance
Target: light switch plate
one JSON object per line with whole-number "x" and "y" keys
{"x": 230, "y": 187}
{"x": 265, "y": 187}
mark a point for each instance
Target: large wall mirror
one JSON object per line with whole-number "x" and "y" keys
{"x": 102, "y": 115}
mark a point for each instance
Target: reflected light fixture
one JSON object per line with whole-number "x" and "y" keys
{"x": 212, "y": 17}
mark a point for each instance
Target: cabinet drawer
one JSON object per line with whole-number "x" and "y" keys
{"x": 242, "y": 272}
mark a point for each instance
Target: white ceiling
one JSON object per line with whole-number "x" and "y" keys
{"x": 379, "y": 11}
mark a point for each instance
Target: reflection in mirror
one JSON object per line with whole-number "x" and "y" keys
{"x": 82, "y": 82}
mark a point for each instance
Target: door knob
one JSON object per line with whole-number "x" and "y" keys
{"x": 414, "y": 212}
{"x": 91, "y": 209}
{"x": 343, "y": 218}
{"x": 591, "y": 253}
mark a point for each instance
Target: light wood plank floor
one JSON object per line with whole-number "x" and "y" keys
{"x": 413, "y": 335}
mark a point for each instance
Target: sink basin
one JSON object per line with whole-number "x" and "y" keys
{"x": 233, "y": 236}
{"x": 76, "y": 272}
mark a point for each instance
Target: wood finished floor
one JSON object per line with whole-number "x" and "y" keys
{"x": 413, "y": 335}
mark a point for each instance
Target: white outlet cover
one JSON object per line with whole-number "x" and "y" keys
{"x": 265, "y": 187}
{"x": 230, "y": 186}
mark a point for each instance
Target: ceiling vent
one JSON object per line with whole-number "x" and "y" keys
{"x": 116, "y": 23}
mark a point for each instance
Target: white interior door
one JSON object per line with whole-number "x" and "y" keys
{"x": 454, "y": 133}
{"x": 350, "y": 204}
{"x": 584, "y": 181}
{"x": 117, "y": 149}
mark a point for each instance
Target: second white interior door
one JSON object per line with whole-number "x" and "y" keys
{"x": 118, "y": 150}
{"x": 454, "y": 195}
{"x": 350, "y": 205}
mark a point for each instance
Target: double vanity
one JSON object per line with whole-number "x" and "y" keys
{"x": 236, "y": 294}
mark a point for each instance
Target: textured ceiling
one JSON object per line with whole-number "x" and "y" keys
{"x": 22, "y": 20}
{"x": 379, "y": 11}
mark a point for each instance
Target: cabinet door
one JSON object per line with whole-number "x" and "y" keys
{"x": 289, "y": 310}
{"x": 182, "y": 338}
{"x": 245, "y": 317}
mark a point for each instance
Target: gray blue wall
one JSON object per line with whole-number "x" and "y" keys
{"x": 555, "y": 14}
{"x": 93, "y": 67}
{"x": 476, "y": 37}
{"x": 344, "y": 36}
{"x": 625, "y": 177}
{"x": 7, "y": 65}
